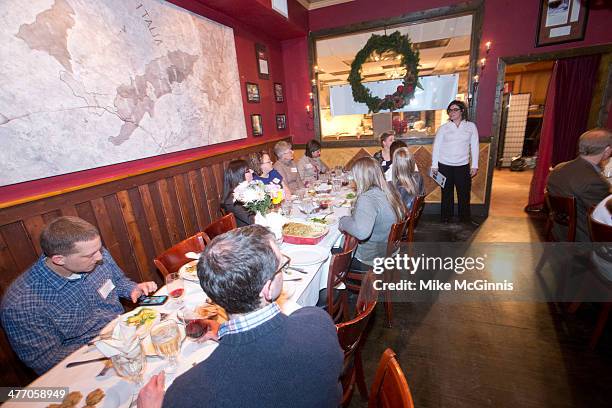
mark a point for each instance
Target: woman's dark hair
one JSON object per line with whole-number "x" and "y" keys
{"x": 234, "y": 175}
{"x": 396, "y": 145}
{"x": 256, "y": 159}
{"x": 461, "y": 105}
{"x": 384, "y": 136}
{"x": 311, "y": 147}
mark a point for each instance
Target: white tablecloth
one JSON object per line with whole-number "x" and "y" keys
{"x": 304, "y": 292}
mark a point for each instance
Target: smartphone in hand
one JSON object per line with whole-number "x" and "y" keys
{"x": 152, "y": 300}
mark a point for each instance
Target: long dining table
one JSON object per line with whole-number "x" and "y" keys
{"x": 299, "y": 289}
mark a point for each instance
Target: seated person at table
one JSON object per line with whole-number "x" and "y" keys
{"x": 237, "y": 171}
{"x": 409, "y": 183}
{"x": 377, "y": 208}
{"x": 263, "y": 170}
{"x": 286, "y": 166}
{"x": 394, "y": 146}
{"x": 582, "y": 179}
{"x": 383, "y": 156}
{"x": 264, "y": 357}
{"x": 67, "y": 296}
{"x": 310, "y": 165}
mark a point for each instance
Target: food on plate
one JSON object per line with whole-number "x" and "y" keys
{"x": 72, "y": 399}
{"x": 144, "y": 316}
{"x": 323, "y": 220}
{"x": 94, "y": 397}
{"x": 350, "y": 196}
{"x": 191, "y": 269}
{"x": 298, "y": 229}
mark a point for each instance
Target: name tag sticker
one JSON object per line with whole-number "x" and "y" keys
{"x": 275, "y": 180}
{"x": 294, "y": 169}
{"x": 106, "y": 288}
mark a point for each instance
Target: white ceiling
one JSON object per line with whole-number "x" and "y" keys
{"x": 444, "y": 47}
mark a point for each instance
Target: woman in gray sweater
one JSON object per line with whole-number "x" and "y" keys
{"x": 377, "y": 208}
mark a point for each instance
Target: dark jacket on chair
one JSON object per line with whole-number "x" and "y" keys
{"x": 580, "y": 179}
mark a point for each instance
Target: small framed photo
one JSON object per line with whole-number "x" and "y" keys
{"x": 252, "y": 91}
{"x": 561, "y": 21}
{"x": 261, "y": 55}
{"x": 257, "y": 124}
{"x": 281, "y": 121}
{"x": 278, "y": 92}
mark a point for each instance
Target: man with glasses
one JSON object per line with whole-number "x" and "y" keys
{"x": 264, "y": 357}
{"x": 286, "y": 166}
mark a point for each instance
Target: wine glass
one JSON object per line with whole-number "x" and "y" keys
{"x": 130, "y": 365}
{"x": 166, "y": 340}
{"x": 175, "y": 287}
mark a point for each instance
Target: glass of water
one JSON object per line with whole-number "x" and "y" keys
{"x": 130, "y": 364}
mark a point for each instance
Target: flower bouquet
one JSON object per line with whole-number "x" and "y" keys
{"x": 259, "y": 198}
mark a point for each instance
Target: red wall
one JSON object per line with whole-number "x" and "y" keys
{"x": 245, "y": 39}
{"x": 510, "y": 25}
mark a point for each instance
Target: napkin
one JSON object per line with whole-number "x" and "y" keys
{"x": 122, "y": 341}
{"x": 274, "y": 221}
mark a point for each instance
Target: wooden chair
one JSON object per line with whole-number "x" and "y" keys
{"x": 415, "y": 215}
{"x": 220, "y": 226}
{"x": 337, "y": 299}
{"x": 390, "y": 388}
{"x": 173, "y": 258}
{"x": 361, "y": 153}
{"x": 350, "y": 337}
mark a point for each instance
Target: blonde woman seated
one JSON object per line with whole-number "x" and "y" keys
{"x": 261, "y": 164}
{"x": 377, "y": 208}
{"x": 405, "y": 178}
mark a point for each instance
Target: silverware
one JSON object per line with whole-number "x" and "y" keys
{"x": 292, "y": 279}
{"x": 107, "y": 366}
{"x": 78, "y": 363}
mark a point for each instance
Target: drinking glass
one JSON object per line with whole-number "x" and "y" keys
{"x": 176, "y": 287}
{"x": 286, "y": 207}
{"x": 130, "y": 365}
{"x": 195, "y": 321}
{"x": 336, "y": 184}
{"x": 166, "y": 339}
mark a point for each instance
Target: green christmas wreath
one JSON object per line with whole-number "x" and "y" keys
{"x": 401, "y": 45}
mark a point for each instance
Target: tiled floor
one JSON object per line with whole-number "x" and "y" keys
{"x": 491, "y": 353}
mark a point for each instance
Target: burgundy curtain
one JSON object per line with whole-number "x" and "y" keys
{"x": 568, "y": 101}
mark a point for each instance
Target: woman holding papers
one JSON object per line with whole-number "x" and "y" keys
{"x": 455, "y": 142}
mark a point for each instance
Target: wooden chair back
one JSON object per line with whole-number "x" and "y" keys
{"x": 350, "y": 335}
{"x": 415, "y": 215}
{"x": 337, "y": 299}
{"x": 561, "y": 211}
{"x": 361, "y": 153}
{"x": 395, "y": 235}
{"x": 221, "y": 226}
{"x": 173, "y": 258}
{"x": 390, "y": 388}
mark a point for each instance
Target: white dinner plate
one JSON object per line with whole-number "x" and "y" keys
{"x": 190, "y": 276}
{"x": 304, "y": 255}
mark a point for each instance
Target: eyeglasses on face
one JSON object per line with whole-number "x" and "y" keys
{"x": 454, "y": 110}
{"x": 285, "y": 261}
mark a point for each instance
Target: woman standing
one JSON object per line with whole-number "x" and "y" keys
{"x": 237, "y": 171}
{"x": 310, "y": 165}
{"x": 406, "y": 179}
{"x": 454, "y": 142}
{"x": 377, "y": 208}
{"x": 262, "y": 166}
{"x": 383, "y": 156}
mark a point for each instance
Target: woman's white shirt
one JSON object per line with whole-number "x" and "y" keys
{"x": 453, "y": 145}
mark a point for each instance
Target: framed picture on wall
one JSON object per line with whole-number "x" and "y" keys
{"x": 281, "y": 121}
{"x": 561, "y": 21}
{"x": 257, "y": 124}
{"x": 278, "y": 92}
{"x": 252, "y": 91}
{"x": 261, "y": 55}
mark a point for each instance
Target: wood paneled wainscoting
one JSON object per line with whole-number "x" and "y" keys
{"x": 138, "y": 216}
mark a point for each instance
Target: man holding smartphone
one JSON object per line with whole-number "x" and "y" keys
{"x": 63, "y": 301}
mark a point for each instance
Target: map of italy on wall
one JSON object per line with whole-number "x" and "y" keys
{"x": 87, "y": 83}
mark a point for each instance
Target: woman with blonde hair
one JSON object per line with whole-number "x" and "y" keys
{"x": 377, "y": 208}
{"x": 409, "y": 183}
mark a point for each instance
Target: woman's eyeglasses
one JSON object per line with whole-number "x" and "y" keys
{"x": 454, "y": 110}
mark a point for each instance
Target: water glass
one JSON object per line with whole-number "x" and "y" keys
{"x": 336, "y": 184}
{"x": 175, "y": 287}
{"x": 130, "y": 365}
{"x": 166, "y": 339}
{"x": 286, "y": 207}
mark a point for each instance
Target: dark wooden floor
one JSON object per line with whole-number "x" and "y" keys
{"x": 494, "y": 354}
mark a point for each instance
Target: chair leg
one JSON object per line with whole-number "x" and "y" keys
{"x": 388, "y": 310}
{"x": 601, "y": 324}
{"x": 360, "y": 377}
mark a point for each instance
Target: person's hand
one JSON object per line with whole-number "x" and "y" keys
{"x": 152, "y": 394}
{"x": 434, "y": 171}
{"x": 143, "y": 288}
{"x": 473, "y": 172}
{"x": 212, "y": 330}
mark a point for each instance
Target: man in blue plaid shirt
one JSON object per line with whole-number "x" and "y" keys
{"x": 67, "y": 296}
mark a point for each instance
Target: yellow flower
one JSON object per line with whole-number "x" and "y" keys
{"x": 278, "y": 198}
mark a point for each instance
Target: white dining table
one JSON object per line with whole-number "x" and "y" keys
{"x": 118, "y": 391}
